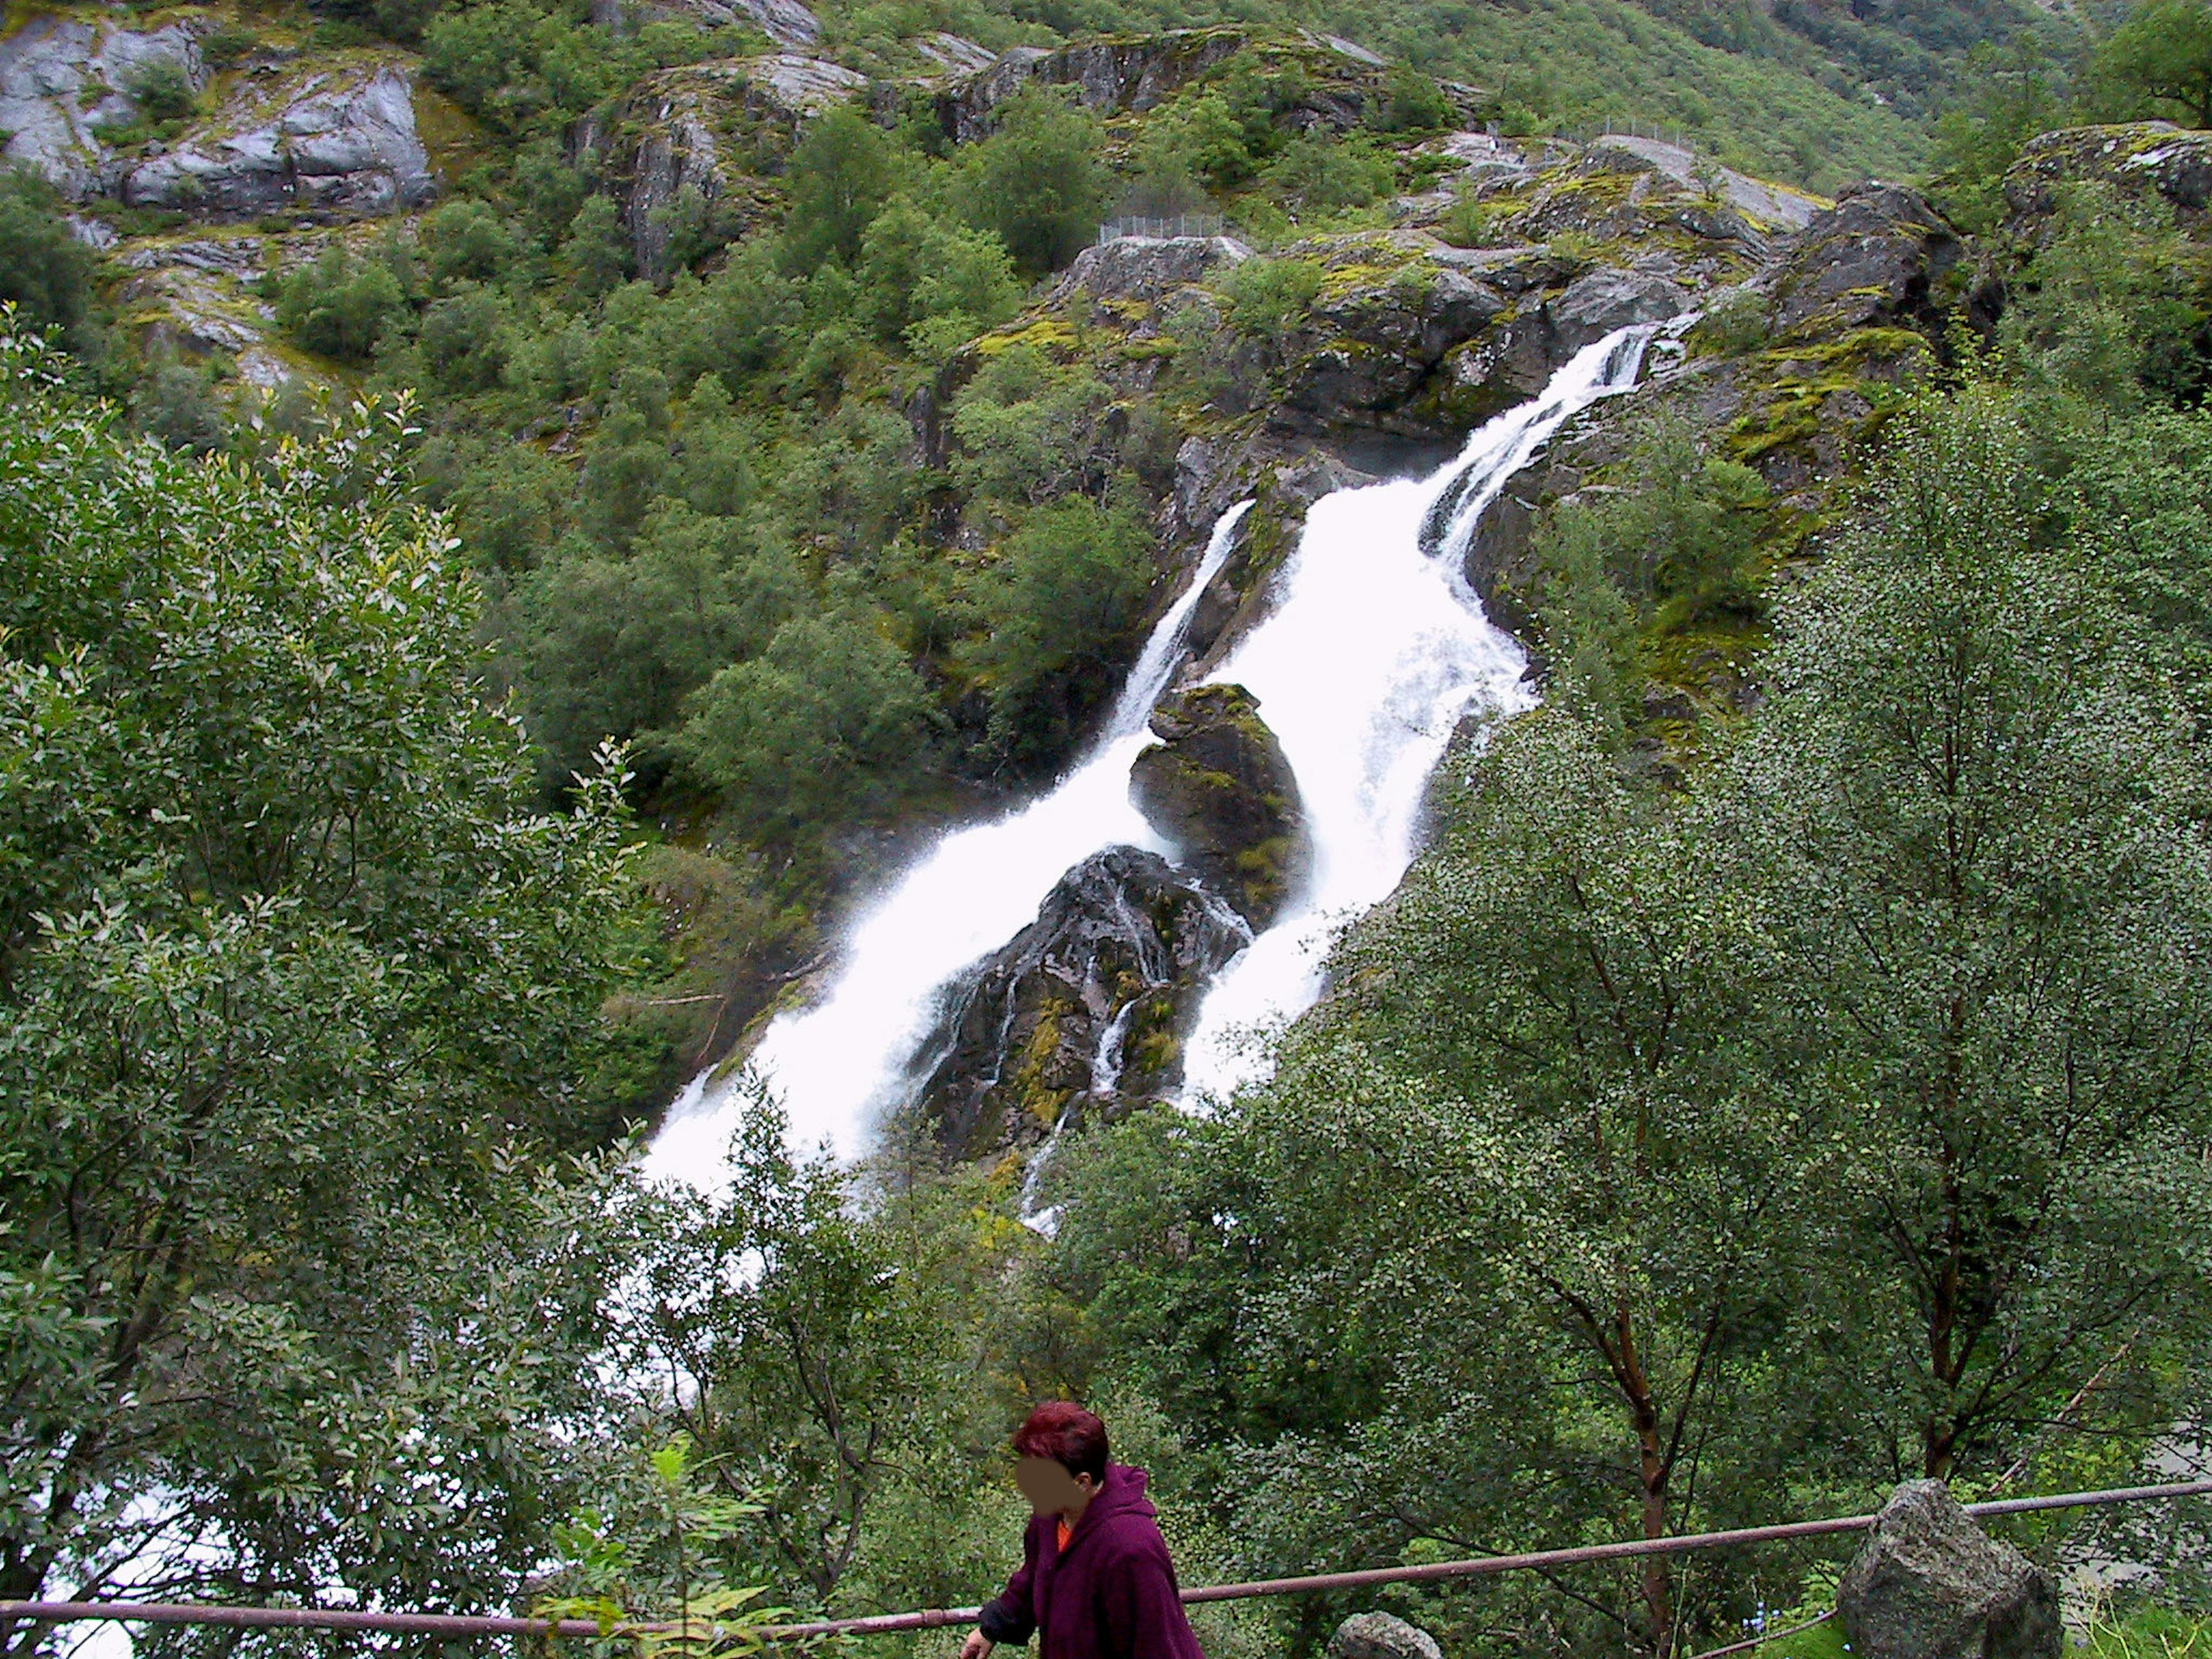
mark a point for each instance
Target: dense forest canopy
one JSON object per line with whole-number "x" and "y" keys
{"x": 1779, "y": 1075}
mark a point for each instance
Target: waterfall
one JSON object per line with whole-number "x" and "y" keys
{"x": 835, "y": 1065}
{"x": 1375, "y": 650}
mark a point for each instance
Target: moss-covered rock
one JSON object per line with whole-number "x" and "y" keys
{"x": 1218, "y": 787}
{"x": 1083, "y": 1010}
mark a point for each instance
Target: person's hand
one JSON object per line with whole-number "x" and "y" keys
{"x": 977, "y": 1646}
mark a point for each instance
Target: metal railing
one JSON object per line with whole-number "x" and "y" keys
{"x": 435, "y": 1623}
{"x": 1160, "y": 229}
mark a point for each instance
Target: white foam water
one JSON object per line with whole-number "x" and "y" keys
{"x": 1375, "y": 651}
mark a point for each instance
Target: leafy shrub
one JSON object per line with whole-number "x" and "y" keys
{"x": 175, "y": 401}
{"x": 45, "y": 272}
{"x": 227, "y": 44}
{"x": 830, "y": 724}
{"x": 1266, "y": 296}
{"x": 2158, "y": 62}
{"x": 1411, "y": 102}
{"x": 163, "y": 92}
{"x": 1058, "y": 609}
{"x": 342, "y": 308}
{"x": 1038, "y": 183}
{"x": 842, "y": 173}
{"x": 1734, "y": 323}
{"x": 1318, "y": 176}
{"x": 918, "y": 273}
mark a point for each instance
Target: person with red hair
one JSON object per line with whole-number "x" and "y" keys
{"x": 1095, "y": 1581}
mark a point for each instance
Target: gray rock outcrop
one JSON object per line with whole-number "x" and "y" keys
{"x": 1084, "y": 1008}
{"x": 1218, "y": 788}
{"x": 1930, "y": 1584}
{"x": 1592, "y": 307}
{"x": 332, "y": 144}
{"x": 340, "y": 148}
{"x": 1145, "y": 268}
{"x": 1875, "y": 257}
{"x": 786, "y": 22}
{"x": 1382, "y": 1636}
{"x": 62, "y": 80}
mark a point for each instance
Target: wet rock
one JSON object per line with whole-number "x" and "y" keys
{"x": 1382, "y": 1636}
{"x": 1084, "y": 1009}
{"x": 1877, "y": 255}
{"x": 1592, "y": 307}
{"x": 1930, "y": 1584}
{"x": 1218, "y": 788}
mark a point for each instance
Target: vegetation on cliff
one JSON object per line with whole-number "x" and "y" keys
{"x": 1780, "y": 1074}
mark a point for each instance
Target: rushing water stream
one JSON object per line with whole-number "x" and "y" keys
{"x": 1375, "y": 650}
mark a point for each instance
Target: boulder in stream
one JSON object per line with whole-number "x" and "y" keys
{"x": 1083, "y": 1009}
{"x": 1218, "y": 787}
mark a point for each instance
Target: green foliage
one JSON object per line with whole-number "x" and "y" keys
{"x": 1412, "y": 103}
{"x": 302, "y": 1001}
{"x": 1314, "y": 175}
{"x": 2160, "y": 60}
{"x": 1268, "y": 296}
{"x": 830, "y": 724}
{"x": 2013, "y": 94}
{"x": 45, "y": 273}
{"x": 842, "y": 173}
{"x": 843, "y": 1339}
{"x": 344, "y": 308}
{"x": 1978, "y": 812}
{"x": 931, "y": 283}
{"x": 175, "y": 401}
{"x": 1036, "y": 183}
{"x": 1060, "y": 610}
{"x": 1674, "y": 550}
{"x": 2114, "y": 306}
{"x": 162, "y": 91}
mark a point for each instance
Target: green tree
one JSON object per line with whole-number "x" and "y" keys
{"x": 838, "y": 1334}
{"x": 342, "y": 308}
{"x": 932, "y": 283}
{"x": 842, "y": 172}
{"x": 2160, "y": 58}
{"x": 301, "y": 1002}
{"x": 829, "y": 725}
{"x": 1060, "y": 610}
{"x": 45, "y": 273}
{"x": 1982, "y": 821}
{"x": 1038, "y": 182}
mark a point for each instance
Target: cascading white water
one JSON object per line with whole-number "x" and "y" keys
{"x": 1375, "y": 651}
{"x": 835, "y": 1064}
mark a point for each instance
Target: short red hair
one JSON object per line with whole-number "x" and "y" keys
{"x": 1072, "y": 1437}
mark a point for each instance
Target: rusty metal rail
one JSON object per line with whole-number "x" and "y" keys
{"x": 438, "y": 1624}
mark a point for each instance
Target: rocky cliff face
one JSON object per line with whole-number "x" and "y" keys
{"x": 329, "y": 142}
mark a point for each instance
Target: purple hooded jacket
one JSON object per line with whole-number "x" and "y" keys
{"x": 1112, "y": 1595}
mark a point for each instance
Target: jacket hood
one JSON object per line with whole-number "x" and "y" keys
{"x": 1123, "y": 1494}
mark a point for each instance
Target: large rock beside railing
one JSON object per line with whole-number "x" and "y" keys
{"x": 1382, "y": 1636}
{"x": 1931, "y": 1584}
